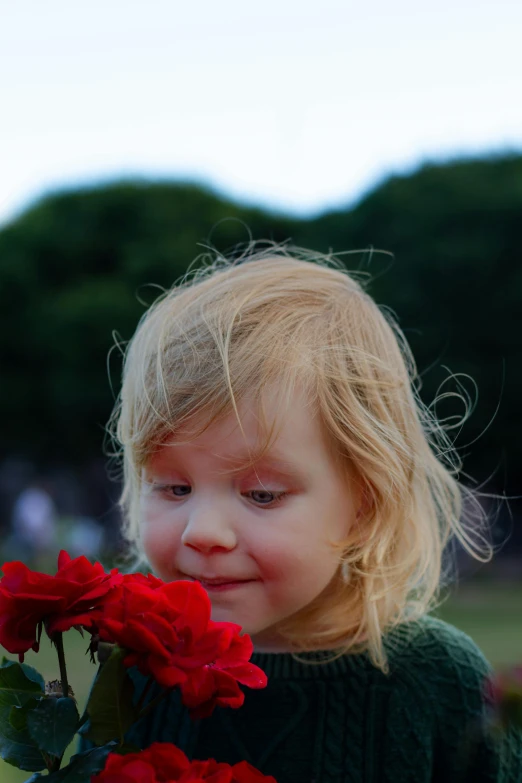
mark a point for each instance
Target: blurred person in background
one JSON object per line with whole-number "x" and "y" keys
{"x": 85, "y": 537}
{"x": 33, "y": 524}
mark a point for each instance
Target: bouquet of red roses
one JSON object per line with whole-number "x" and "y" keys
{"x": 163, "y": 629}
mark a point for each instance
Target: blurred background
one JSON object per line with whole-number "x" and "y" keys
{"x": 135, "y": 136}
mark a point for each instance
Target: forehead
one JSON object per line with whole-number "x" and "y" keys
{"x": 287, "y": 427}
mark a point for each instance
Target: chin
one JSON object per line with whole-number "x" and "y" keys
{"x": 248, "y": 626}
{"x": 226, "y": 616}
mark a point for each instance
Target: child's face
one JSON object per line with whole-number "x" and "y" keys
{"x": 260, "y": 560}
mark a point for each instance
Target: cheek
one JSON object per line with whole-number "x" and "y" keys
{"x": 296, "y": 559}
{"x": 158, "y": 539}
{"x": 150, "y": 541}
{"x": 160, "y": 551}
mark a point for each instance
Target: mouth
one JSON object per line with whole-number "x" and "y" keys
{"x": 219, "y": 584}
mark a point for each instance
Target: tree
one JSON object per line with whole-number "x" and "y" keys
{"x": 82, "y": 265}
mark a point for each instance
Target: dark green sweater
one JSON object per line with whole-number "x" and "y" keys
{"x": 346, "y": 722}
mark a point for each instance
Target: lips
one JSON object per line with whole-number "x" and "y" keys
{"x": 217, "y": 580}
{"x": 220, "y": 585}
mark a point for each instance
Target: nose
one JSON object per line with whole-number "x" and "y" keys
{"x": 207, "y": 531}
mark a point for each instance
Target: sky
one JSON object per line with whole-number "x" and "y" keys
{"x": 296, "y": 106}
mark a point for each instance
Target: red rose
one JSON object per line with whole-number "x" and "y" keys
{"x": 169, "y": 635}
{"x": 499, "y": 684}
{"x": 148, "y": 581}
{"x": 159, "y": 763}
{"x": 72, "y": 597}
{"x": 217, "y": 683}
{"x": 207, "y": 772}
{"x": 164, "y": 763}
{"x": 503, "y": 691}
{"x": 161, "y": 628}
{"x": 246, "y": 773}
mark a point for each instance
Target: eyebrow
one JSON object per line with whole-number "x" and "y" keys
{"x": 241, "y": 462}
{"x": 282, "y": 466}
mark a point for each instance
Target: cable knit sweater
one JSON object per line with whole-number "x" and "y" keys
{"x": 347, "y": 722}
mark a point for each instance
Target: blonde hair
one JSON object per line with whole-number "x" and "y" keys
{"x": 285, "y": 317}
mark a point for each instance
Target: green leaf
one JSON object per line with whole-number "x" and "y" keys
{"x": 21, "y": 687}
{"x": 19, "y": 681}
{"x": 52, "y": 724}
{"x": 80, "y": 769}
{"x": 110, "y": 706}
{"x": 18, "y": 715}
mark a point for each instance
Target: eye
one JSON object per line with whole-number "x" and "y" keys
{"x": 264, "y": 497}
{"x": 268, "y": 498}
{"x": 171, "y": 490}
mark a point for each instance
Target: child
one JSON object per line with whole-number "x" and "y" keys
{"x": 276, "y": 450}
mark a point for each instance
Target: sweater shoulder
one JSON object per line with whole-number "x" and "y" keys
{"x": 432, "y": 643}
{"x": 442, "y": 662}
{"x": 437, "y": 678}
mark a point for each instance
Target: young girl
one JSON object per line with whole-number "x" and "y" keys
{"x": 275, "y": 449}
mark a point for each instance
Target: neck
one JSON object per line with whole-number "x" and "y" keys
{"x": 273, "y": 643}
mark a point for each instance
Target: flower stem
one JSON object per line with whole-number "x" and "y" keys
{"x": 58, "y": 642}
{"x": 85, "y": 717}
{"x": 55, "y": 764}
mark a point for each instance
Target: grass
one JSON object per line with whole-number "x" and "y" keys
{"x": 491, "y": 613}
